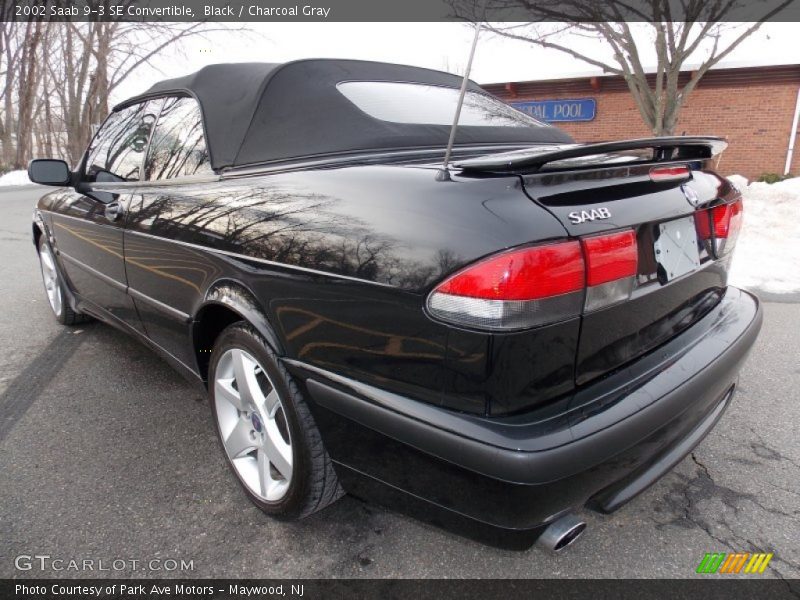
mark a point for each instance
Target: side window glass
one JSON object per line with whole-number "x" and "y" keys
{"x": 178, "y": 148}
{"x": 118, "y": 149}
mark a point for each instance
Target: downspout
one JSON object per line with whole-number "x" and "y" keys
{"x": 792, "y": 135}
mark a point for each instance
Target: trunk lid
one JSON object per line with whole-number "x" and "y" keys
{"x": 662, "y": 304}
{"x": 606, "y": 188}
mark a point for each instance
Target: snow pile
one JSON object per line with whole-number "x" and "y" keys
{"x": 15, "y": 178}
{"x": 739, "y": 181}
{"x": 767, "y": 255}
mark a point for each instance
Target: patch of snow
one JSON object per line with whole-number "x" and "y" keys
{"x": 739, "y": 181}
{"x": 767, "y": 254}
{"x": 15, "y": 178}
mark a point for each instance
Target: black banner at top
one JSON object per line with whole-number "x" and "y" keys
{"x": 400, "y": 10}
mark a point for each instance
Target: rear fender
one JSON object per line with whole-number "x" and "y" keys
{"x": 241, "y": 300}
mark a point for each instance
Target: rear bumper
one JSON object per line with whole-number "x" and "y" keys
{"x": 603, "y": 446}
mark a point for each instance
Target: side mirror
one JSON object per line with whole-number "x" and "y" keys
{"x": 49, "y": 171}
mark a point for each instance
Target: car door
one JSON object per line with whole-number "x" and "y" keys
{"x": 168, "y": 279}
{"x": 88, "y": 223}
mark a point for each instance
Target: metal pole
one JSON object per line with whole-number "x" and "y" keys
{"x": 461, "y": 95}
{"x": 792, "y": 135}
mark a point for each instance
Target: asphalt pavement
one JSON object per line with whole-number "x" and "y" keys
{"x": 106, "y": 455}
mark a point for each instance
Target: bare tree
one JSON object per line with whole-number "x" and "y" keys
{"x": 10, "y": 48}
{"x": 28, "y": 82}
{"x": 59, "y": 77}
{"x": 698, "y": 32}
{"x": 98, "y": 58}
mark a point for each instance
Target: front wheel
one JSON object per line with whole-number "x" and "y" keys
{"x": 54, "y": 287}
{"x": 267, "y": 432}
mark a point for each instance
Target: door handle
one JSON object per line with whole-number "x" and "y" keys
{"x": 114, "y": 211}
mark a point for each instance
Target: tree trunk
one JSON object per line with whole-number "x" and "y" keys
{"x": 7, "y": 118}
{"x": 27, "y": 93}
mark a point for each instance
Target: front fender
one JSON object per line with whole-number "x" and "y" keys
{"x": 38, "y": 227}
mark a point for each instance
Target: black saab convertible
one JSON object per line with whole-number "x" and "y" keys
{"x": 495, "y": 344}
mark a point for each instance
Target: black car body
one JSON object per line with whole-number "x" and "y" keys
{"x": 308, "y": 200}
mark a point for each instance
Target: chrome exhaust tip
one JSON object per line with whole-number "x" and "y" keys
{"x": 562, "y": 533}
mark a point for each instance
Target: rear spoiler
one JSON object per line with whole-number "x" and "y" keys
{"x": 533, "y": 159}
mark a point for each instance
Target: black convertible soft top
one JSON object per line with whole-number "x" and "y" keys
{"x": 259, "y": 113}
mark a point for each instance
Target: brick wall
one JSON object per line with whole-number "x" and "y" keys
{"x": 752, "y": 108}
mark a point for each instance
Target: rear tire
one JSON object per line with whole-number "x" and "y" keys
{"x": 265, "y": 427}
{"x": 54, "y": 288}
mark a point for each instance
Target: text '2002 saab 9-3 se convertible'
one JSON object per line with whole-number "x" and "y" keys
{"x": 493, "y": 345}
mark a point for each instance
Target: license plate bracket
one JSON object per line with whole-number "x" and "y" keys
{"x": 676, "y": 249}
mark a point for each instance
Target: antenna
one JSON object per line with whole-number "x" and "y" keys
{"x": 461, "y": 95}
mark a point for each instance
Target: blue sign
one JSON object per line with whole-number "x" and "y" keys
{"x": 578, "y": 109}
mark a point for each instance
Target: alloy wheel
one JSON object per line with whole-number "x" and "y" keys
{"x": 50, "y": 276}
{"x": 253, "y": 425}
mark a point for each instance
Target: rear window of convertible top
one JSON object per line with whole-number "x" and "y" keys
{"x": 431, "y": 105}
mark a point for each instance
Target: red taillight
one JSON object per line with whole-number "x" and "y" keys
{"x": 540, "y": 284}
{"x": 611, "y": 264}
{"x": 515, "y": 289}
{"x": 737, "y": 215}
{"x": 525, "y": 274}
{"x": 610, "y": 257}
{"x": 727, "y": 219}
{"x": 669, "y": 173}
{"x": 720, "y": 225}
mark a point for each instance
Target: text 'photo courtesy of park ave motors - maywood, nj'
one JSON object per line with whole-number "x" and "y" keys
{"x": 158, "y": 590}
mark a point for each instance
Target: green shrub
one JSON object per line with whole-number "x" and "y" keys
{"x": 772, "y": 177}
